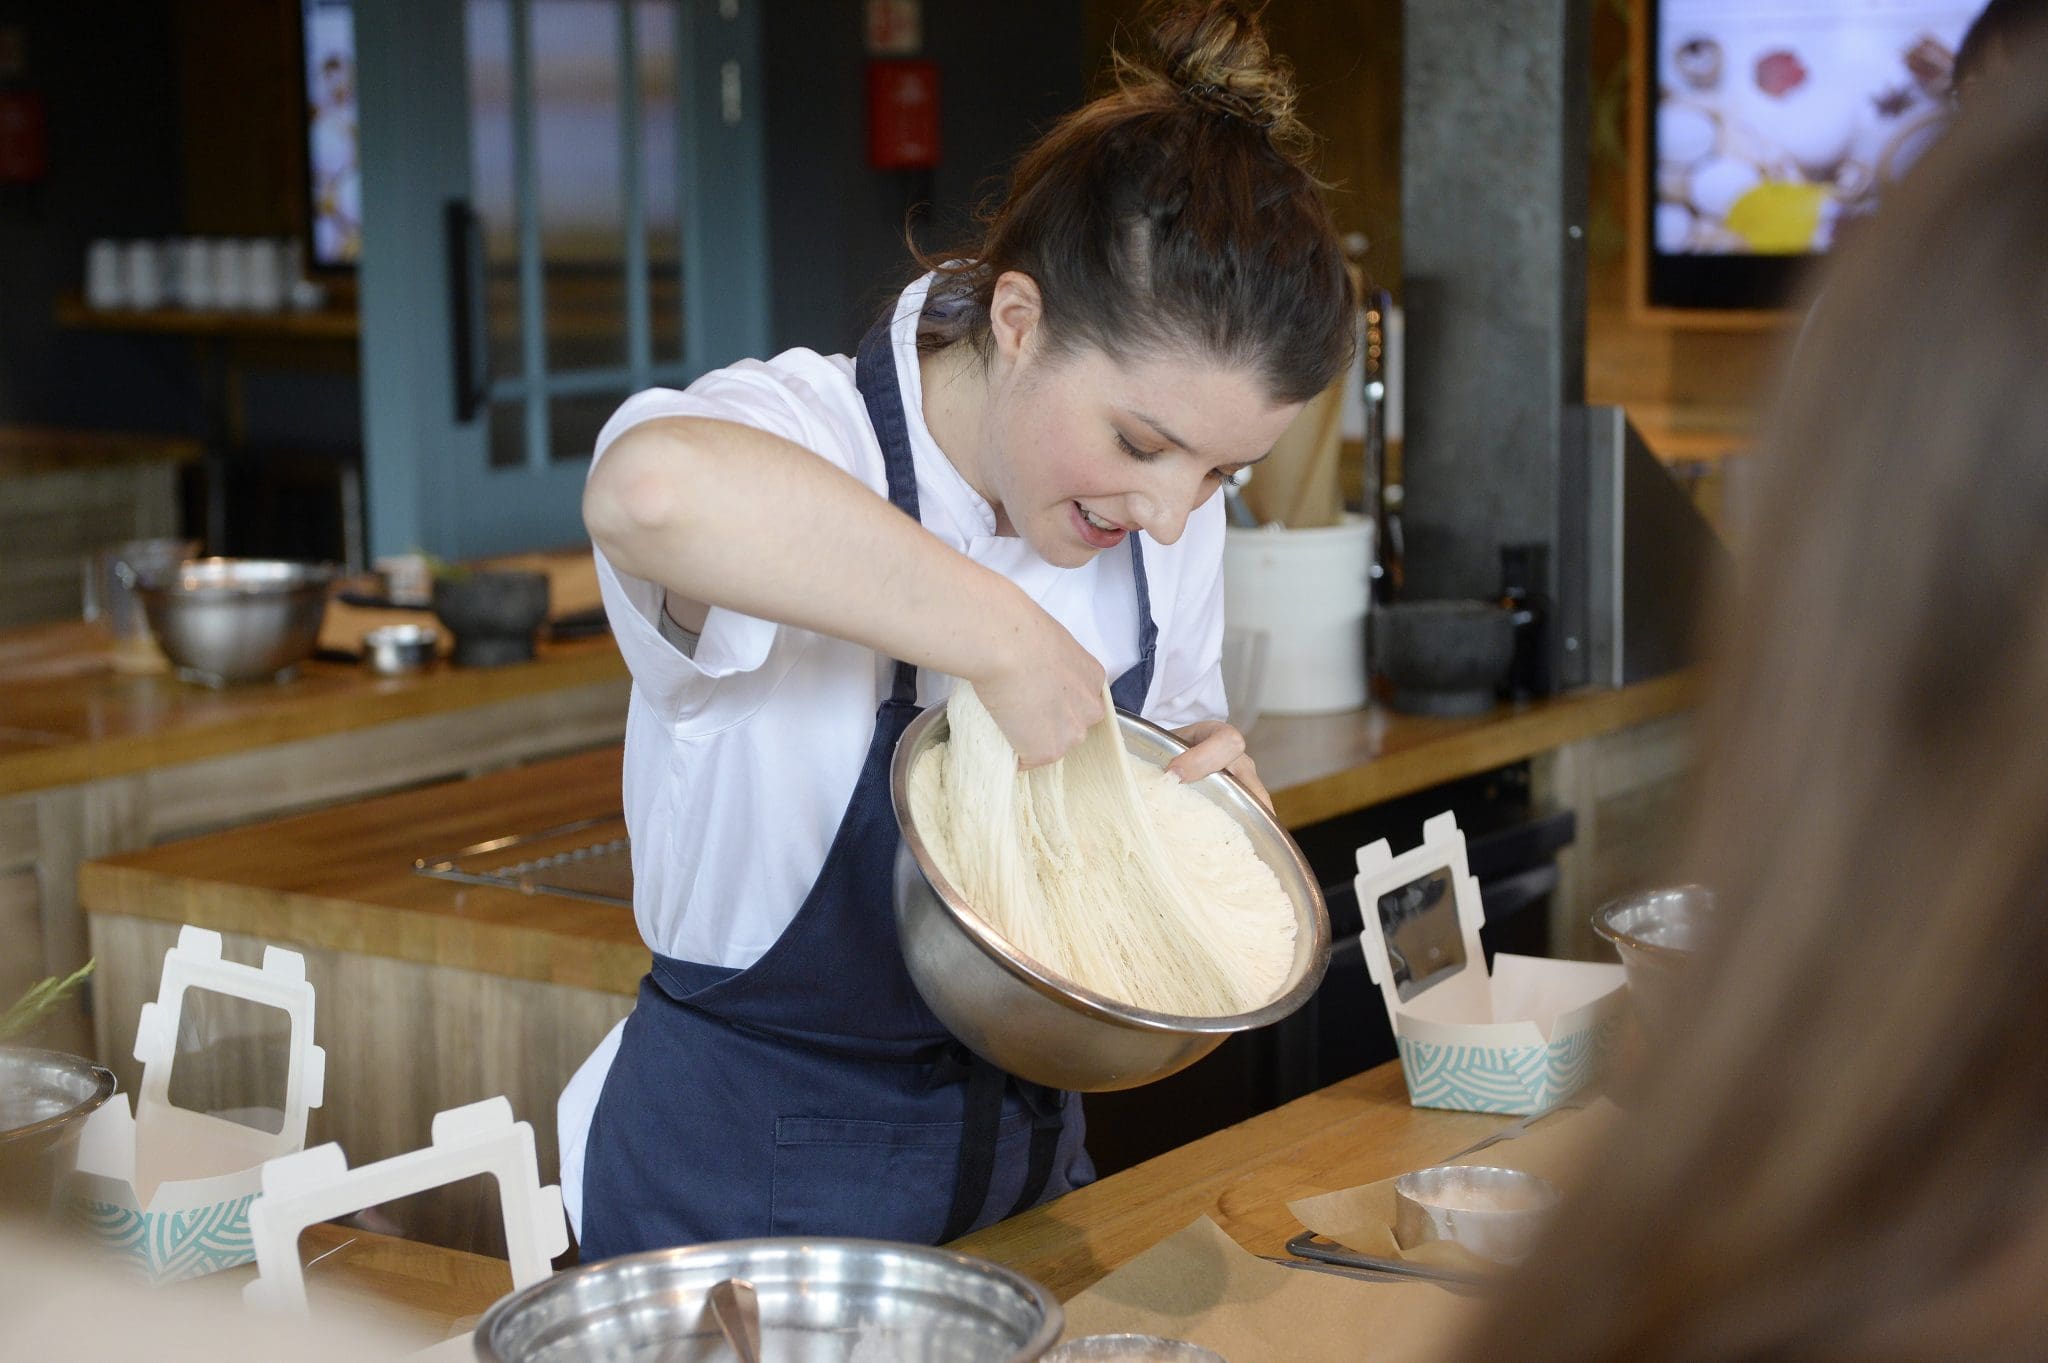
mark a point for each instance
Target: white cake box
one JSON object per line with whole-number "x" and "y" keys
{"x": 167, "y": 1187}
{"x": 1518, "y": 1040}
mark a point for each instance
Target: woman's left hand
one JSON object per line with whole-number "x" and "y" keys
{"x": 1214, "y": 746}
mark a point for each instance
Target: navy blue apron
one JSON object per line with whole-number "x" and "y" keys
{"x": 814, "y": 1092}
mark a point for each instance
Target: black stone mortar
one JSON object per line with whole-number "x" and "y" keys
{"x": 493, "y": 615}
{"x": 1442, "y": 657}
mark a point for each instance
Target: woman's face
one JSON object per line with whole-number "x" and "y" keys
{"x": 1080, "y": 449}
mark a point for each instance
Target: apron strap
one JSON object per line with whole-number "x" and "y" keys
{"x": 980, "y": 1122}
{"x": 874, "y": 373}
{"x": 985, "y": 1084}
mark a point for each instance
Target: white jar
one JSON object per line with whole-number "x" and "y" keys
{"x": 106, "y": 283}
{"x": 264, "y": 260}
{"x": 142, "y": 271}
{"x": 1307, "y": 591}
{"x": 192, "y": 273}
{"x": 230, "y": 273}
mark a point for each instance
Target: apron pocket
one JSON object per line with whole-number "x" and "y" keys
{"x": 880, "y": 1180}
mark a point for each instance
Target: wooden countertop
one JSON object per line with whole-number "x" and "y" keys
{"x": 26, "y": 450}
{"x": 1357, "y": 1131}
{"x": 1320, "y": 766}
{"x": 66, "y": 716}
{"x": 342, "y": 878}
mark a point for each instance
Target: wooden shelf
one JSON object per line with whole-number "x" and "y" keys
{"x": 325, "y": 324}
{"x": 26, "y": 450}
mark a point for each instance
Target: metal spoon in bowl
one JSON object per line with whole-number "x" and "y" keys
{"x": 738, "y": 1313}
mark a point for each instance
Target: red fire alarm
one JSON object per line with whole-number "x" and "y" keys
{"x": 23, "y": 139}
{"x": 903, "y": 115}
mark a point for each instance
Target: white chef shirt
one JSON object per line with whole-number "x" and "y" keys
{"x": 742, "y": 751}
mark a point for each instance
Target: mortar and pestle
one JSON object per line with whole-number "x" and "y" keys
{"x": 493, "y": 614}
{"x": 1442, "y": 657}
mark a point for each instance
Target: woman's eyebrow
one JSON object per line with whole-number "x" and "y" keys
{"x": 1173, "y": 439}
{"x": 1161, "y": 431}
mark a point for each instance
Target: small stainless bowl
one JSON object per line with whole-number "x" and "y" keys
{"x": 1657, "y": 933}
{"x": 819, "y": 1299}
{"x": 1040, "y": 1026}
{"x": 1493, "y": 1212}
{"x": 222, "y": 620}
{"x": 392, "y": 649}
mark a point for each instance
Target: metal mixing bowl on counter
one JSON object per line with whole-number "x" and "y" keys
{"x": 1040, "y": 1026}
{"x": 222, "y": 620}
{"x": 45, "y": 1097}
{"x": 1657, "y": 934}
{"x": 820, "y": 1300}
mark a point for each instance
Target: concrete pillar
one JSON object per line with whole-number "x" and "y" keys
{"x": 1493, "y": 207}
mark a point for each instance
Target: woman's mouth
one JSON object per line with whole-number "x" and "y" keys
{"x": 1096, "y": 532}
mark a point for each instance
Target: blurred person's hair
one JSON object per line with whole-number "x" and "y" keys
{"x": 1841, "y": 1155}
{"x": 2001, "y": 30}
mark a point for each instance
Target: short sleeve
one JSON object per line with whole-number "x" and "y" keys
{"x": 1188, "y": 680}
{"x": 736, "y": 658}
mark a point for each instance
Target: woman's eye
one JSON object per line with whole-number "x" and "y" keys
{"x": 1142, "y": 456}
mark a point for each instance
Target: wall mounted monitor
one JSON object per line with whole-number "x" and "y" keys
{"x": 334, "y": 195}
{"x": 1775, "y": 129}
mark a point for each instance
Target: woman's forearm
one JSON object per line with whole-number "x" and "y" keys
{"x": 728, "y": 515}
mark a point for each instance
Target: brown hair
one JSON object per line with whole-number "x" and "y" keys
{"x": 1842, "y": 1156}
{"x": 1174, "y": 214}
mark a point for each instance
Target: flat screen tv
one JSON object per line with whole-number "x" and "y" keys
{"x": 1775, "y": 126}
{"x": 334, "y": 197}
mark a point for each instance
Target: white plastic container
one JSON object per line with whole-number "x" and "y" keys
{"x": 1307, "y": 591}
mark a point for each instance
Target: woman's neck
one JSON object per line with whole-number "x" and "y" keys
{"x": 955, "y": 383}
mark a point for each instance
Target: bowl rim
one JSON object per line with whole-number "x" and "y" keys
{"x": 1051, "y": 1315}
{"x": 1058, "y": 987}
{"x": 104, "y": 1085}
{"x": 307, "y": 575}
{"x": 1603, "y": 925}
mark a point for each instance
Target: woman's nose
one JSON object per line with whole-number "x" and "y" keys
{"x": 1162, "y": 510}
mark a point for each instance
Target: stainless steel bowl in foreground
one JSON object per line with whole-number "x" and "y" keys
{"x": 1657, "y": 933}
{"x": 45, "y": 1097}
{"x": 821, "y": 1301}
{"x": 1493, "y": 1212}
{"x": 1131, "y": 1349}
{"x": 1040, "y": 1026}
{"x": 222, "y": 620}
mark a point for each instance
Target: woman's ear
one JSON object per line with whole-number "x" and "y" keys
{"x": 1015, "y": 312}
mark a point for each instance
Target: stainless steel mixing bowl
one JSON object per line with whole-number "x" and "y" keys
{"x": 45, "y": 1097}
{"x": 1040, "y": 1026}
{"x": 1657, "y": 933}
{"x": 821, "y": 1301}
{"x": 222, "y": 620}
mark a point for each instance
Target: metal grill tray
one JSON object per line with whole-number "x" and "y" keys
{"x": 590, "y": 859}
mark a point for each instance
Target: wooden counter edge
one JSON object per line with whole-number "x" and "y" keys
{"x": 505, "y": 950}
{"x": 94, "y": 759}
{"x": 1509, "y": 737}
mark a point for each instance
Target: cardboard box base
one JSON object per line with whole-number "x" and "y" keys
{"x": 1511, "y": 1080}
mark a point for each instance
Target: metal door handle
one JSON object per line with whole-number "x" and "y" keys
{"x": 467, "y": 321}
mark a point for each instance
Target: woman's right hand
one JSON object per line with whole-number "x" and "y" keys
{"x": 1044, "y": 691}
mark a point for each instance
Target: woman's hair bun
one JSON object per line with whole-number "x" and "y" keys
{"x": 1214, "y": 56}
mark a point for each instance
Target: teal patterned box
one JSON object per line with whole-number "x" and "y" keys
{"x": 1515, "y": 1040}
{"x": 166, "y": 1187}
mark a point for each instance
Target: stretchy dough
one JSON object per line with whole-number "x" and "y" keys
{"x": 1104, "y": 869}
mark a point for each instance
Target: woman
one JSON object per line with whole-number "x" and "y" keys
{"x": 1845, "y": 1157}
{"x": 1014, "y": 482}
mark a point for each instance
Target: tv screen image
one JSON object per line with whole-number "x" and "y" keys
{"x": 1777, "y": 124}
{"x": 334, "y": 183}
